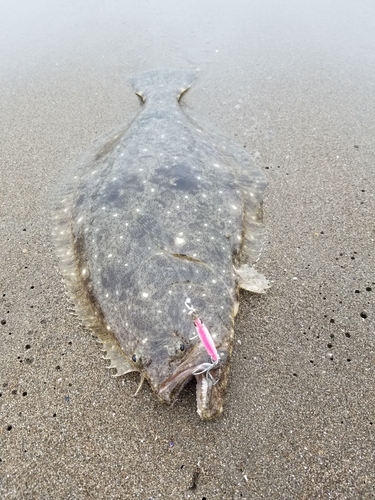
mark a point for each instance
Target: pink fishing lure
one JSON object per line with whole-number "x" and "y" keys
{"x": 206, "y": 339}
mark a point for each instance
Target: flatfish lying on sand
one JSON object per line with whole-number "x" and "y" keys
{"x": 163, "y": 217}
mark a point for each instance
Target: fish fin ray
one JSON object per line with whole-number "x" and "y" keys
{"x": 252, "y": 184}
{"x": 117, "y": 358}
{"x": 80, "y": 303}
{"x": 143, "y": 378}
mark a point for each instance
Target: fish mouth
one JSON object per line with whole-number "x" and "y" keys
{"x": 211, "y": 384}
{"x": 211, "y": 388}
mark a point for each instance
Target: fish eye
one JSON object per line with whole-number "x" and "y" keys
{"x": 134, "y": 358}
{"x": 182, "y": 347}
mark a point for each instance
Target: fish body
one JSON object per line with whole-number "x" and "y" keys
{"x": 161, "y": 212}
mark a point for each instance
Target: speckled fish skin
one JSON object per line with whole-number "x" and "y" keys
{"x": 162, "y": 212}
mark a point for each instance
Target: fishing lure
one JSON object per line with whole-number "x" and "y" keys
{"x": 207, "y": 341}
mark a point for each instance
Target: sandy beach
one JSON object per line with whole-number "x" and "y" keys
{"x": 293, "y": 85}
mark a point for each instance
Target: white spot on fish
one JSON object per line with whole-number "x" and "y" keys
{"x": 145, "y": 295}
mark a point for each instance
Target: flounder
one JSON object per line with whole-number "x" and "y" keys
{"x": 162, "y": 215}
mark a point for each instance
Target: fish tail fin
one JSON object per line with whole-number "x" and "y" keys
{"x": 165, "y": 82}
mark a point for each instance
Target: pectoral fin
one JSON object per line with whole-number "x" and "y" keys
{"x": 249, "y": 279}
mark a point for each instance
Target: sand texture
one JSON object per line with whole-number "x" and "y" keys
{"x": 293, "y": 85}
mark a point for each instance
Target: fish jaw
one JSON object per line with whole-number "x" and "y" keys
{"x": 211, "y": 385}
{"x": 211, "y": 388}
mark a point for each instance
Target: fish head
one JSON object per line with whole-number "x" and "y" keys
{"x": 194, "y": 362}
{"x": 172, "y": 354}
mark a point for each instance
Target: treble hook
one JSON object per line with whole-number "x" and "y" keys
{"x": 206, "y": 368}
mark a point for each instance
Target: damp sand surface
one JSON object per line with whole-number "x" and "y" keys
{"x": 293, "y": 86}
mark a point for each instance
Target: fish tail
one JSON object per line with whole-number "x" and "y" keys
{"x": 162, "y": 82}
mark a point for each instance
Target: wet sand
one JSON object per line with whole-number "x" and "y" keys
{"x": 292, "y": 84}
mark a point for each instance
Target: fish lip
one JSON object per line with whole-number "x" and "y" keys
{"x": 211, "y": 392}
{"x": 171, "y": 387}
{"x": 210, "y": 387}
